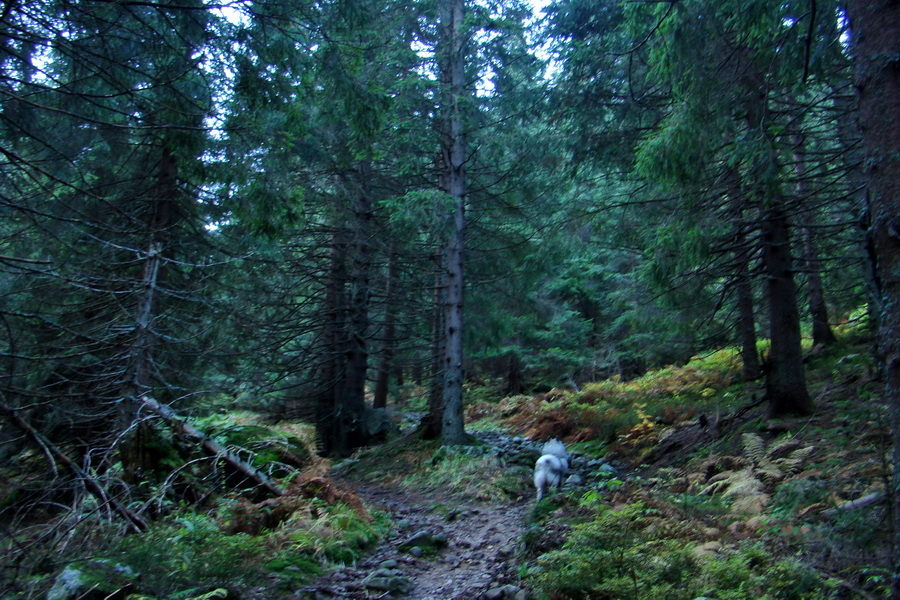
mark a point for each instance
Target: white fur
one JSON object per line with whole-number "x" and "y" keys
{"x": 551, "y": 467}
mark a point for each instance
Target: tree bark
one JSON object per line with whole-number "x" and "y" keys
{"x": 453, "y": 152}
{"x": 352, "y": 400}
{"x": 853, "y": 159}
{"x": 514, "y": 383}
{"x": 785, "y": 376}
{"x": 385, "y": 365}
{"x": 875, "y": 40}
{"x": 785, "y": 379}
{"x": 431, "y": 422}
{"x": 747, "y": 323}
{"x": 140, "y": 359}
{"x": 743, "y": 285}
{"x": 333, "y": 361}
{"x": 342, "y": 406}
{"x": 818, "y": 310}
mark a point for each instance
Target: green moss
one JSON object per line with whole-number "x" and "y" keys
{"x": 615, "y": 555}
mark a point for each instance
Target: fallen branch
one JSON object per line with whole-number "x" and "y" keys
{"x": 187, "y": 432}
{"x": 54, "y": 455}
{"x": 854, "y": 504}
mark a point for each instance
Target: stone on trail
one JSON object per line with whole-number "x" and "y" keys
{"x": 388, "y": 580}
{"x": 425, "y": 539}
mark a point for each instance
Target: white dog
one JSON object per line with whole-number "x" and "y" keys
{"x": 551, "y": 467}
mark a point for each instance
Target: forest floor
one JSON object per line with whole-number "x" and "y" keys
{"x": 442, "y": 548}
{"x": 789, "y": 508}
{"x": 681, "y": 488}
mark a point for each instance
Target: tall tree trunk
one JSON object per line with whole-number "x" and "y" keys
{"x": 785, "y": 380}
{"x": 333, "y": 360}
{"x": 342, "y": 418}
{"x": 818, "y": 310}
{"x": 432, "y": 422}
{"x": 746, "y": 321}
{"x": 453, "y": 152}
{"x": 140, "y": 359}
{"x": 821, "y": 327}
{"x": 514, "y": 383}
{"x": 743, "y": 285}
{"x": 785, "y": 376}
{"x": 352, "y": 402}
{"x": 386, "y": 363}
{"x": 342, "y": 407}
{"x": 875, "y": 39}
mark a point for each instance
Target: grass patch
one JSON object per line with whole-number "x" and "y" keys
{"x": 470, "y": 472}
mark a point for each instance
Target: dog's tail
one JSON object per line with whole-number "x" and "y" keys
{"x": 554, "y": 447}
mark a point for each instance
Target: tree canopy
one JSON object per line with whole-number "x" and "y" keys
{"x": 300, "y": 206}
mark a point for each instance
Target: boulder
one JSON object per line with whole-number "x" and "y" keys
{"x": 92, "y": 579}
{"x": 388, "y": 580}
{"x": 424, "y": 539}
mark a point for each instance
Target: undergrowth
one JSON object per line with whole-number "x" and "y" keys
{"x": 192, "y": 552}
{"x": 605, "y": 410}
{"x": 623, "y": 553}
{"x": 762, "y": 509}
{"x": 470, "y": 472}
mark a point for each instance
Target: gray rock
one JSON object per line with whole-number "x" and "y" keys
{"x": 425, "y": 539}
{"x": 607, "y": 468}
{"x": 91, "y": 579}
{"x": 501, "y": 592}
{"x": 495, "y": 593}
{"x": 377, "y": 422}
{"x": 388, "y": 580}
{"x": 574, "y": 479}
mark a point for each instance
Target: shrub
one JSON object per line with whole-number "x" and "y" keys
{"x": 190, "y": 552}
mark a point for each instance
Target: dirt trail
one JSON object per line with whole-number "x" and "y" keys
{"x": 470, "y": 550}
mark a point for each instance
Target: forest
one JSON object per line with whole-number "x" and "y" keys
{"x": 252, "y": 251}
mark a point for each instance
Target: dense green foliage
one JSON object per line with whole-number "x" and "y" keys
{"x": 267, "y": 205}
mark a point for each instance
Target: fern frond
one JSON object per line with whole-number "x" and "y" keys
{"x": 770, "y": 472}
{"x": 754, "y": 446}
{"x": 802, "y": 454}
{"x": 782, "y": 447}
{"x": 791, "y": 466}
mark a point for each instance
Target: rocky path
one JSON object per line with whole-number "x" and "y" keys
{"x": 438, "y": 552}
{"x": 443, "y": 550}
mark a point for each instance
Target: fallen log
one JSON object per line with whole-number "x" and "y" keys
{"x": 188, "y": 433}
{"x": 53, "y": 453}
{"x": 854, "y": 504}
